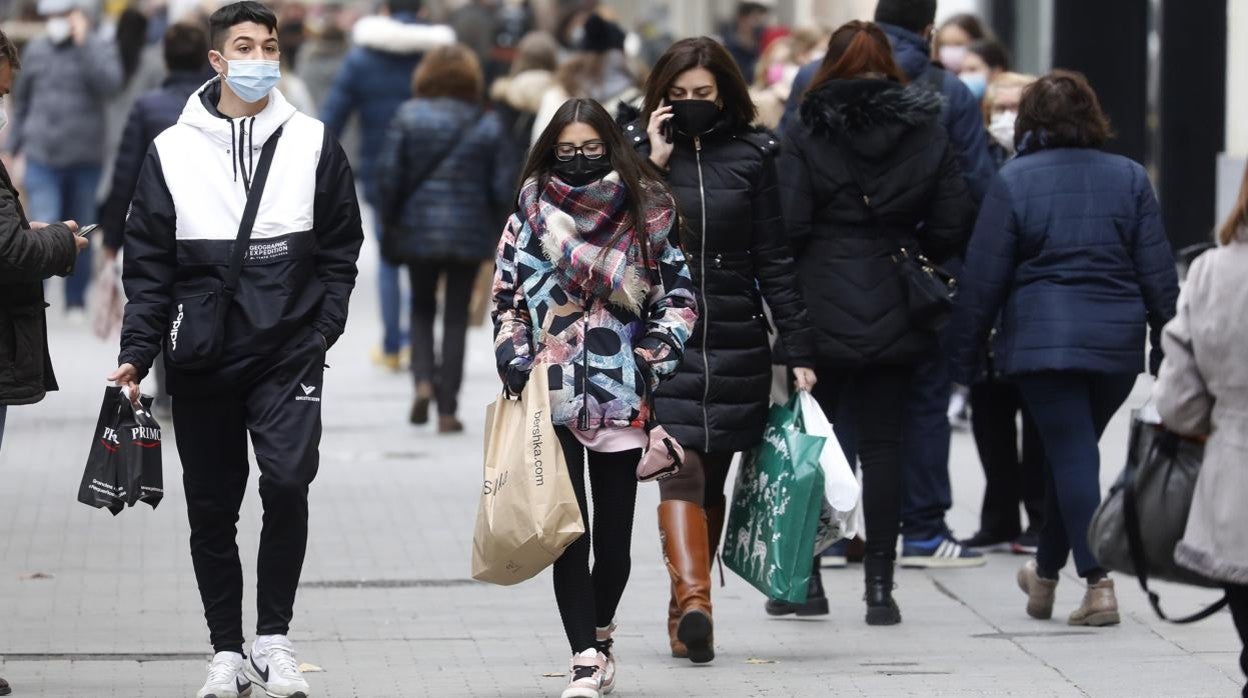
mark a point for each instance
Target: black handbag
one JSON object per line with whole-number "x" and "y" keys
{"x": 197, "y": 314}
{"x": 1143, "y": 518}
{"x": 929, "y": 288}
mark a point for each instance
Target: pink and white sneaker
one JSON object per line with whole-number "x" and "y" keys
{"x": 586, "y": 674}
{"x": 604, "y": 645}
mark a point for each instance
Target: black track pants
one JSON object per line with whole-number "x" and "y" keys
{"x": 281, "y": 410}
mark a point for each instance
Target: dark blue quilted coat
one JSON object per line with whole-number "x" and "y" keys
{"x": 460, "y": 209}
{"x": 1069, "y": 248}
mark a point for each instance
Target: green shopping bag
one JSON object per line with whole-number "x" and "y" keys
{"x": 775, "y": 508}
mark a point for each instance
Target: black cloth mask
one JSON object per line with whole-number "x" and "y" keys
{"x": 694, "y": 117}
{"x": 580, "y": 170}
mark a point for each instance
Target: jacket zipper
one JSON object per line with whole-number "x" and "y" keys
{"x": 582, "y": 422}
{"x": 706, "y": 316}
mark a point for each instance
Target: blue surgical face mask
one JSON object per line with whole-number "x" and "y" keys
{"x": 977, "y": 83}
{"x": 253, "y": 80}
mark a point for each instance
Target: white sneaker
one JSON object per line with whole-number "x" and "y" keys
{"x": 585, "y": 678}
{"x": 273, "y": 668}
{"x": 225, "y": 677}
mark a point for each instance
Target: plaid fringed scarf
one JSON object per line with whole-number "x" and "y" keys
{"x": 575, "y": 226}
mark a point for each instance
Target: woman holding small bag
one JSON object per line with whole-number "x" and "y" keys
{"x": 695, "y": 125}
{"x": 590, "y": 289}
{"x": 866, "y": 176}
{"x": 1201, "y": 391}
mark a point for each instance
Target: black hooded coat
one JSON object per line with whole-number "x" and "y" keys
{"x": 879, "y": 140}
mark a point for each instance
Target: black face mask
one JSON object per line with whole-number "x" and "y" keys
{"x": 580, "y": 170}
{"x": 694, "y": 117}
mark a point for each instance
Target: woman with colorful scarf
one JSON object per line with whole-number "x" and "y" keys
{"x": 590, "y": 288}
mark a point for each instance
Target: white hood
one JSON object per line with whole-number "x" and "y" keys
{"x": 275, "y": 114}
{"x": 392, "y": 36}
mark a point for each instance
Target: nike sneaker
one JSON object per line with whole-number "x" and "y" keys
{"x": 272, "y": 668}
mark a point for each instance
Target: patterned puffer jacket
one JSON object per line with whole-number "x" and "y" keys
{"x": 600, "y": 347}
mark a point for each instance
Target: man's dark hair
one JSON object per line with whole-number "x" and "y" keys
{"x": 238, "y": 13}
{"x": 746, "y": 9}
{"x": 186, "y": 48}
{"x": 8, "y": 52}
{"x": 993, "y": 53}
{"x": 912, "y": 15}
{"x": 404, "y": 7}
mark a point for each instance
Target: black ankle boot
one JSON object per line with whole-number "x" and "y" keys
{"x": 881, "y": 608}
{"x": 816, "y": 603}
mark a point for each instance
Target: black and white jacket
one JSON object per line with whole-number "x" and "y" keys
{"x": 300, "y": 267}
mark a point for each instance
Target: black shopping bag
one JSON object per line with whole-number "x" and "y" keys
{"x": 139, "y": 453}
{"x": 101, "y": 480}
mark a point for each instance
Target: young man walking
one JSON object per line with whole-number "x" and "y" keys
{"x": 241, "y": 251}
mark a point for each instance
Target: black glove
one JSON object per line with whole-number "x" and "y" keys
{"x": 515, "y": 379}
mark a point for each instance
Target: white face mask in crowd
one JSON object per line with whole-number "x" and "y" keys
{"x": 4, "y": 114}
{"x": 1002, "y": 128}
{"x": 952, "y": 57}
{"x": 59, "y": 29}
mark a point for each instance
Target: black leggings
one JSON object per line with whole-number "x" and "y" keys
{"x": 701, "y": 481}
{"x": 587, "y": 600}
{"x": 1238, "y": 594}
{"x": 875, "y": 396}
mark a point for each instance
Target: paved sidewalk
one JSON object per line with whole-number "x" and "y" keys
{"x": 97, "y": 606}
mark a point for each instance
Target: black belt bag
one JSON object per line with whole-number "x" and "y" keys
{"x": 197, "y": 314}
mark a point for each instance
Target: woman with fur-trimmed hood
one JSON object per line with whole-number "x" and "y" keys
{"x": 869, "y": 171}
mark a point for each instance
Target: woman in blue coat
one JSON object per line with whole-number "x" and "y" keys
{"x": 444, "y": 183}
{"x": 1069, "y": 249}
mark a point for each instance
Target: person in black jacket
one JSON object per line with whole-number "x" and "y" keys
{"x": 263, "y": 377}
{"x": 696, "y": 117}
{"x": 867, "y": 176}
{"x": 186, "y": 58}
{"x": 29, "y": 253}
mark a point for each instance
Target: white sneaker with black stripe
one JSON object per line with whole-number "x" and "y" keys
{"x": 941, "y": 552}
{"x": 225, "y": 677}
{"x": 273, "y": 669}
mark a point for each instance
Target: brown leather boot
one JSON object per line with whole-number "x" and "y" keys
{"x": 714, "y": 532}
{"x": 1099, "y": 607}
{"x": 682, "y": 526}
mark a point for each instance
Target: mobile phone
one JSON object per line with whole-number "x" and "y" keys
{"x": 667, "y": 130}
{"x": 83, "y": 232}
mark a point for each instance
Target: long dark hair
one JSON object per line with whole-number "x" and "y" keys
{"x": 857, "y": 48}
{"x": 701, "y": 52}
{"x": 640, "y": 178}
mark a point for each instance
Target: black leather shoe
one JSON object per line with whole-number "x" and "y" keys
{"x": 5, "y": 689}
{"x": 881, "y": 608}
{"x": 816, "y": 603}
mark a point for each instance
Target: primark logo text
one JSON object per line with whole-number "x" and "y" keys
{"x": 144, "y": 434}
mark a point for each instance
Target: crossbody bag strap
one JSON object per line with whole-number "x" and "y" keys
{"x": 250, "y": 211}
{"x": 414, "y": 184}
{"x": 1139, "y": 559}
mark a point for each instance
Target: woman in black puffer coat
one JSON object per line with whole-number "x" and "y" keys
{"x": 868, "y": 172}
{"x": 695, "y": 126}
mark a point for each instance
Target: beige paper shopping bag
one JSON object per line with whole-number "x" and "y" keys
{"x": 528, "y": 512}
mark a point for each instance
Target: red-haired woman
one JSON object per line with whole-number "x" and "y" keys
{"x": 867, "y": 173}
{"x": 696, "y": 125}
